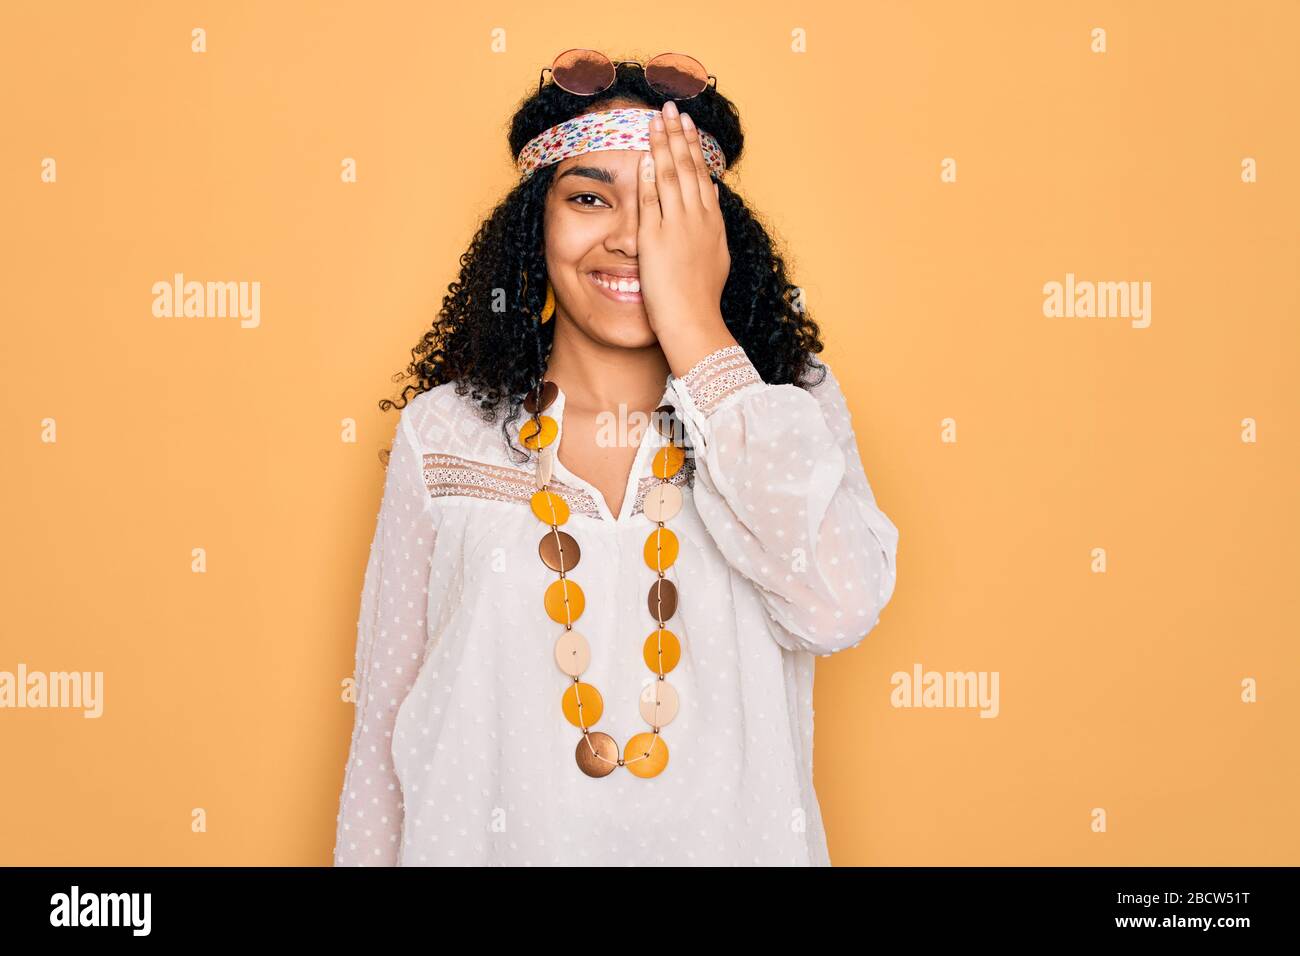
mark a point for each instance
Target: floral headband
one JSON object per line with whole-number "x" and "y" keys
{"x": 624, "y": 128}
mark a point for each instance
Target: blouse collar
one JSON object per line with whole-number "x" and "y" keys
{"x": 651, "y": 440}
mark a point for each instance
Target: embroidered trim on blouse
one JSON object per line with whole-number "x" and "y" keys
{"x": 451, "y": 476}
{"x": 718, "y": 375}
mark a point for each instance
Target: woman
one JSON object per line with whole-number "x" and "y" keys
{"x": 586, "y": 644}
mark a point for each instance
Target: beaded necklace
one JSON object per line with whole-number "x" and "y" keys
{"x": 597, "y": 754}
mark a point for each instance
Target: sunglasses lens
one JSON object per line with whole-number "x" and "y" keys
{"x": 676, "y": 75}
{"x": 584, "y": 72}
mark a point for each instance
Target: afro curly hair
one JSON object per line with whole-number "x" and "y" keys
{"x": 491, "y": 310}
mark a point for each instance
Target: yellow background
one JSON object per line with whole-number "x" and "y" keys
{"x": 1118, "y": 691}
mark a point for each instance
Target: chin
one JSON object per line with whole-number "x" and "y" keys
{"x": 620, "y": 329}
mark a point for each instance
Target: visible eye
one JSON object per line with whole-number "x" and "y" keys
{"x": 574, "y": 199}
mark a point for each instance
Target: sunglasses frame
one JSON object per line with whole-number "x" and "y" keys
{"x": 710, "y": 81}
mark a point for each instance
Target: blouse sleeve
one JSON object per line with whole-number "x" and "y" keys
{"x": 780, "y": 486}
{"x": 391, "y": 639}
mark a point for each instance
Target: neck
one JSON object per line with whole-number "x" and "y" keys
{"x": 596, "y": 377}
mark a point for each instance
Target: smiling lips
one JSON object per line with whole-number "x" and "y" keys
{"x": 618, "y": 288}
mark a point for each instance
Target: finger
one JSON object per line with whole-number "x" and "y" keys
{"x": 647, "y": 195}
{"x": 670, "y": 192}
{"x": 692, "y": 137}
{"x": 688, "y": 180}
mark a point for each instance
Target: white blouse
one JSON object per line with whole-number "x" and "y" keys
{"x": 461, "y": 754}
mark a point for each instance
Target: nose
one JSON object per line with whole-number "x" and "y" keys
{"x": 623, "y": 228}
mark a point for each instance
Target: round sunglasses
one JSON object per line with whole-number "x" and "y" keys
{"x": 675, "y": 76}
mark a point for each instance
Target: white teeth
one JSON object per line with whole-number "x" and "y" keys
{"x": 617, "y": 284}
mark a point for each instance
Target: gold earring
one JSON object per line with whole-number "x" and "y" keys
{"x": 548, "y": 309}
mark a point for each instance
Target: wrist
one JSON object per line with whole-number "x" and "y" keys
{"x": 718, "y": 377}
{"x": 688, "y": 343}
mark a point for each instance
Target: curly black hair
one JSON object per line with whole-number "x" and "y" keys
{"x": 481, "y": 323}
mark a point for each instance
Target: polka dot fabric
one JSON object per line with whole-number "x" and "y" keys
{"x": 784, "y": 482}
{"x": 460, "y": 754}
{"x": 391, "y": 641}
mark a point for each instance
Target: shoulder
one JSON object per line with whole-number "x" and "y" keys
{"x": 443, "y": 422}
{"x": 435, "y": 414}
{"x": 822, "y": 383}
{"x": 814, "y": 376}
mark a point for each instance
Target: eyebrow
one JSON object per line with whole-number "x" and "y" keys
{"x": 598, "y": 173}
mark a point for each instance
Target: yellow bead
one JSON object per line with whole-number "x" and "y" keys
{"x": 530, "y": 436}
{"x": 668, "y": 460}
{"x": 555, "y": 601}
{"x": 663, "y": 647}
{"x": 660, "y": 549}
{"x": 641, "y": 745}
{"x": 592, "y": 705}
{"x": 550, "y": 508}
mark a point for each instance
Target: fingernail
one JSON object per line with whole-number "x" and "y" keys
{"x": 687, "y": 121}
{"x": 670, "y": 108}
{"x": 658, "y": 122}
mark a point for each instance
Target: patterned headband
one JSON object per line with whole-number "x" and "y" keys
{"x": 625, "y": 128}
